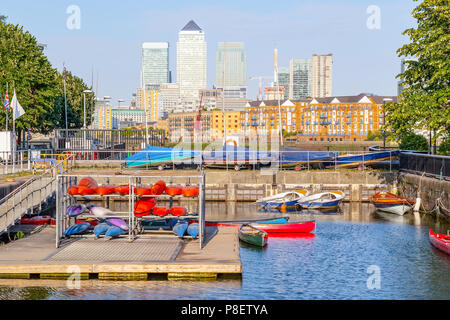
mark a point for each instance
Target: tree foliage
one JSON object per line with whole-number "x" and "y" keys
{"x": 38, "y": 86}
{"x": 412, "y": 141}
{"x": 424, "y": 101}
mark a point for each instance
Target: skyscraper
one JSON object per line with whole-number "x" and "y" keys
{"x": 300, "y": 78}
{"x": 322, "y": 77}
{"x": 231, "y": 68}
{"x": 191, "y": 63}
{"x": 283, "y": 80}
{"x": 155, "y": 63}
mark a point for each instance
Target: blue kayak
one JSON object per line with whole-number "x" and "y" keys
{"x": 76, "y": 229}
{"x": 180, "y": 228}
{"x": 101, "y": 228}
{"x": 192, "y": 230}
{"x": 114, "y": 231}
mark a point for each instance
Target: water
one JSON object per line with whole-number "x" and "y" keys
{"x": 334, "y": 263}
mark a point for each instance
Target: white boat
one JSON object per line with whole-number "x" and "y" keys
{"x": 323, "y": 201}
{"x": 289, "y": 199}
{"x": 389, "y": 202}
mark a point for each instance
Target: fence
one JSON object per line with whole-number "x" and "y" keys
{"x": 21, "y": 160}
{"x": 431, "y": 165}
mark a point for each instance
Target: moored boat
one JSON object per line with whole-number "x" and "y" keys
{"x": 253, "y": 235}
{"x": 280, "y": 227}
{"x": 322, "y": 201}
{"x": 289, "y": 199}
{"x": 389, "y": 202}
{"x": 440, "y": 241}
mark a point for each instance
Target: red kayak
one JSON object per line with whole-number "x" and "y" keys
{"x": 144, "y": 190}
{"x": 190, "y": 191}
{"x": 285, "y": 227}
{"x": 36, "y": 220}
{"x": 440, "y": 241}
{"x": 105, "y": 190}
{"x": 93, "y": 222}
{"x": 174, "y": 190}
{"x": 160, "y": 211}
{"x": 144, "y": 206}
{"x": 178, "y": 211}
{"x": 73, "y": 190}
{"x": 123, "y": 189}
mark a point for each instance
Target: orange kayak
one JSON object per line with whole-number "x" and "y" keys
{"x": 73, "y": 190}
{"x": 84, "y": 190}
{"x": 190, "y": 191}
{"x": 105, "y": 189}
{"x": 87, "y": 186}
{"x": 160, "y": 211}
{"x": 123, "y": 189}
{"x": 144, "y": 190}
{"x": 157, "y": 189}
{"x": 144, "y": 206}
{"x": 174, "y": 190}
{"x": 178, "y": 211}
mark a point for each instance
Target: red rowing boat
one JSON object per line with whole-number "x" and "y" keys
{"x": 285, "y": 227}
{"x": 440, "y": 241}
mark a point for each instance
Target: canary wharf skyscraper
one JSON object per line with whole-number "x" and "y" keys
{"x": 191, "y": 62}
{"x": 231, "y": 68}
{"x": 155, "y": 63}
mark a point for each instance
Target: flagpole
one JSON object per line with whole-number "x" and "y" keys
{"x": 7, "y": 108}
{"x": 14, "y": 131}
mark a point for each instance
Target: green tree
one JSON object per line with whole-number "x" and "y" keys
{"x": 424, "y": 101}
{"x": 412, "y": 141}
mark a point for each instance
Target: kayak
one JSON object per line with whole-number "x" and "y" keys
{"x": 237, "y": 223}
{"x": 278, "y": 227}
{"x": 87, "y": 186}
{"x": 101, "y": 229}
{"x": 253, "y": 235}
{"x": 73, "y": 190}
{"x": 36, "y": 220}
{"x": 118, "y": 222}
{"x": 144, "y": 206}
{"x": 105, "y": 190}
{"x": 190, "y": 191}
{"x": 174, "y": 190}
{"x": 144, "y": 190}
{"x": 178, "y": 211}
{"x": 180, "y": 228}
{"x": 114, "y": 231}
{"x": 158, "y": 188}
{"x": 160, "y": 211}
{"x": 75, "y": 209}
{"x": 78, "y": 228}
{"x": 440, "y": 241}
{"x": 123, "y": 189}
{"x": 92, "y": 221}
{"x": 192, "y": 230}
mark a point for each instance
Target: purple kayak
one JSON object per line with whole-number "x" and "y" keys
{"x": 118, "y": 222}
{"x": 76, "y": 209}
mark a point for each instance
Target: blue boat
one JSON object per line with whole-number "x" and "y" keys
{"x": 293, "y": 157}
{"x": 101, "y": 228}
{"x": 230, "y": 155}
{"x": 76, "y": 229}
{"x": 155, "y": 156}
{"x": 322, "y": 201}
{"x": 368, "y": 158}
{"x": 193, "y": 230}
{"x": 180, "y": 228}
{"x": 288, "y": 199}
{"x": 114, "y": 232}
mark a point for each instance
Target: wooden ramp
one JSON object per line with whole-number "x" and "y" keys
{"x": 147, "y": 257}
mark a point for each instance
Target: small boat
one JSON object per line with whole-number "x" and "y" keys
{"x": 180, "y": 228}
{"x": 193, "y": 230}
{"x": 289, "y": 199}
{"x": 440, "y": 241}
{"x": 389, "y": 202}
{"x": 92, "y": 221}
{"x": 104, "y": 190}
{"x": 73, "y": 190}
{"x": 237, "y": 223}
{"x": 36, "y": 220}
{"x": 178, "y": 211}
{"x": 100, "y": 229}
{"x": 190, "y": 191}
{"x": 366, "y": 159}
{"x": 160, "y": 211}
{"x": 118, "y": 222}
{"x": 144, "y": 206}
{"x": 144, "y": 190}
{"x": 76, "y": 209}
{"x": 174, "y": 190}
{"x": 123, "y": 189}
{"x": 253, "y": 235}
{"x": 276, "y": 227}
{"x": 114, "y": 232}
{"x": 76, "y": 229}
{"x": 322, "y": 201}
{"x": 87, "y": 186}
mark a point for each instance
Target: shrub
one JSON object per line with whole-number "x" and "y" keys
{"x": 412, "y": 141}
{"x": 444, "y": 147}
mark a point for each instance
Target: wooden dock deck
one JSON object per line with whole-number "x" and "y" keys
{"x": 149, "y": 256}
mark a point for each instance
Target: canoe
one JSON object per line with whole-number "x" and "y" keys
{"x": 123, "y": 189}
{"x": 73, "y": 190}
{"x": 37, "y": 220}
{"x": 160, "y": 211}
{"x": 174, "y": 190}
{"x": 144, "y": 206}
{"x": 283, "y": 227}
{"x": 100, "y": 229}
{"x": 178, "y": 211}
{"x": 180, "y": 228}
{"x": 118, "y": 222}
{"x": 440, "y": 241}
{"x": 101, "y": 212}
{"x": 144, "y": 190}
{"x": 192, "y": 229}
{"x": 289, "y": 199}
{"x": 114, "y": 231}
{"x": 190, "y": 191}
{"x": 76, "y": 209}
{"x": 76, "y": 229}
{"x": 253, "y": 235}
{"x": 105, "y": 190}
{"x": 392, "y": 203}
{"x": 322, "y": 201}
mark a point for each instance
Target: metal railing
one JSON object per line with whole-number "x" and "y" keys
{"x": 26, "y": 197}
{"x": 20, "y": 161}
{"x": 431, "y": 165}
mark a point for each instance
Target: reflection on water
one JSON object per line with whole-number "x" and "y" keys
{"x": 330, "y": 263}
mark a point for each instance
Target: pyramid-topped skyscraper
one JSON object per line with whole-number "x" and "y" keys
{"x": 191, "y": 64}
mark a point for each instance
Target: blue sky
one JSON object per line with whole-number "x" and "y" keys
{"x": 111, "y": 33}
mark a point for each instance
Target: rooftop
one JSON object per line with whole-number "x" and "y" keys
{"x": 191, "y": 26}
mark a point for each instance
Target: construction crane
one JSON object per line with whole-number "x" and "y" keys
{"x": 260, "y": 78}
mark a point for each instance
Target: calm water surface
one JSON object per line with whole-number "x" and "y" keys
{"x": 331, "y": 264}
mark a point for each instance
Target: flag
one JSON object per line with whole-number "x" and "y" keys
{"x": 17, "y": 108}
{"x": 6, "y": 102}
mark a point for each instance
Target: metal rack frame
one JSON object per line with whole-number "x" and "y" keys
{"x": 63, "y": 200}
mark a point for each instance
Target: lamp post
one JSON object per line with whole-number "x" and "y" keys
{"x": 84, "y": 116}
{"x": 385, "y": 100}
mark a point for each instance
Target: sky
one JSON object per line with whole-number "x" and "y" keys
{"x": 106, "y": 48}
